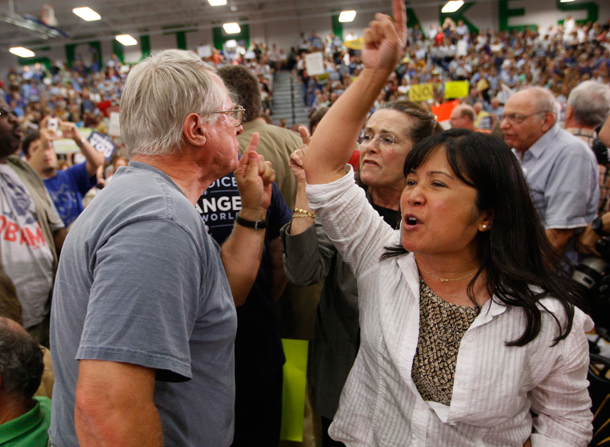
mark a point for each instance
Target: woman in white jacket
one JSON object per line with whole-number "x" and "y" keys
{"x": 467, "y": 337}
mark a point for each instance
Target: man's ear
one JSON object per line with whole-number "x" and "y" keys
{"x": 569, "y": 113}
{"x": 194, "y": 130}
{"x": 548, "y": 121}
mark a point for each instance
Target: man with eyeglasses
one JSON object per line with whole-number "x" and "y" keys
{"x": 560, "y": 168}
{"x": 143, "y": 320}
{"x": 31, "y": 231}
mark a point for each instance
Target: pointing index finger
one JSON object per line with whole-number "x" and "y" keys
{"x": 399, "y": 13}
{"x": 304, "y": 134}
{"x": 253, "y": 143}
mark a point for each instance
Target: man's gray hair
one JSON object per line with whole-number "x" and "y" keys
{"x": 591, "y": 103}
{"x": 544, "y": 101}
{"x": 159, "y": 93}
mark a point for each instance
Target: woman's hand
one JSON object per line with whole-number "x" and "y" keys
{"x": 296, "y": 164}
{"x": 296, "y": 158}
{"x": 385, "y": 40}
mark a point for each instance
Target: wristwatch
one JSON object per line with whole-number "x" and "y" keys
{"x": 256, "y": 224}
{"x": 598, "y": 226}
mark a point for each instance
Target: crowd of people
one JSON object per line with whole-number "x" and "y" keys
{"x": 447, "y": 316}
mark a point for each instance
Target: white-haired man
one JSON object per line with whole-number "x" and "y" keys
{"x": 560, "y": 168}
{"x": 143, "y": 321}
{"x": 587, "y": 107}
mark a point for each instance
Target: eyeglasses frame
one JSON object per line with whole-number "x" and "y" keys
{"x": 239, "y": 110}
{"x": 518, "y": 119}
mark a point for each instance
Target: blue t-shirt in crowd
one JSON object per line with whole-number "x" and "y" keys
{"x": 258, "y": 345}
{"x": 67, "y": 189}
{"x": 141, "y": 282}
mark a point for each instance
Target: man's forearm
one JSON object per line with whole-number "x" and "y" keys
{"x": 115, "y": 407}
{"x": 559, "y": 238}
{"x": 241, "y": 256}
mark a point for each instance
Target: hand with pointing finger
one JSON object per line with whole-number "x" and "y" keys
{"x": 254, "y": 177}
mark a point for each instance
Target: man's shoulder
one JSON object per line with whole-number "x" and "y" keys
{"x": 269, "y": 129}
{"x": 571, "y": 144}
{"x": 270, "y": 136}
{"x": 20, "y": 166}
{"x": 28, "y": 176}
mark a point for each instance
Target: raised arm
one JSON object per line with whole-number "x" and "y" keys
{"x": 242, "y": 251}
{"x": 333, "y": 142}
{"x": 94, "y": 158}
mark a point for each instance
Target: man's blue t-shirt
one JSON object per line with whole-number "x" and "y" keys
{"x": 67, "y": 189}
{"x": 140, "y": 282}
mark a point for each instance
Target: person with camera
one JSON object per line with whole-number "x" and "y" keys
{"x": 67, "y": 188}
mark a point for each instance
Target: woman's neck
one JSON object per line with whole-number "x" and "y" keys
{"x": 385, "y": 197}
{"x": 447, "y": 266}
{"x": 449, "y": 278}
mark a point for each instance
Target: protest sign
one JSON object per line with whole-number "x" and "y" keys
{"x": 204, "y": 51}
{"x": 314, "y": 63}
{"x": 67, "y": 145}
{"x": 456, "y": 89}
{"x": 114, "y": 127}
{"x": 293, "y": 395}
{"x": 421, "y": 92}
{"x": 102, "y": 143}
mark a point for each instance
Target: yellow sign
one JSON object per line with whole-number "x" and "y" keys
{"x": 355, "y": 44}
{"x": 421, "y": 92}
{"x": 293, "y": 393}
{"x": 456, "y": 89}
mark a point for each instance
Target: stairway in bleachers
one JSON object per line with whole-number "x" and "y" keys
{"x": 287, "y": 100}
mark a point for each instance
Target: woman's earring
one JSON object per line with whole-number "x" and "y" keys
{"x": 484, "y": 227}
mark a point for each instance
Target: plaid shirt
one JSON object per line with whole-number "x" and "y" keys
{"x": 604, "y": 173}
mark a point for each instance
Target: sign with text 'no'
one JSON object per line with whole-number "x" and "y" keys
{"x": 421, "y": 92}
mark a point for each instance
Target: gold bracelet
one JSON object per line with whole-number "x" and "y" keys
{"x": 307, "y": 213}
{"x": 294, "y": 216}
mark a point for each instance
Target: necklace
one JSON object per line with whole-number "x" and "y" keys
{"x": 454, "y": 279}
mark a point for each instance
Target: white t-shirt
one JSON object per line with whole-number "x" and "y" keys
{"x": 25, "y": 254}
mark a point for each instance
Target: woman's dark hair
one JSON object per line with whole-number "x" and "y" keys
{"x": 425, "y": 123}
{"x": 515, "y": 253}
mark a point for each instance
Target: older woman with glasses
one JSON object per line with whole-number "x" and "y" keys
{"x": 467, "y": 338}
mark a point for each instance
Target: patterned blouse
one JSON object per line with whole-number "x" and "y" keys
{"x": 441, "y": 328}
